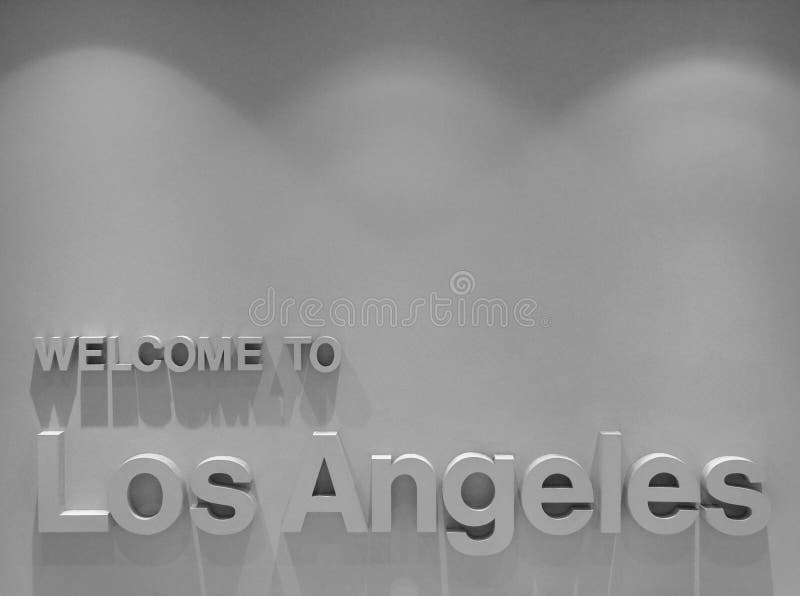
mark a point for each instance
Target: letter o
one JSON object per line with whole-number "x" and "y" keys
{"x": 191, "y": 352}
{"x": 313, "y": 354}
{"x": 168, "y": 476}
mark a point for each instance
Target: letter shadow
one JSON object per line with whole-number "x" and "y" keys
{"x": 165, "y": 559}
{"x": 320, "y": 391}
{"x": 284, "y": 390}
{"x": 647, "y": 563}
{"x": 479, "y": 575}
{"x": 322, "y": 559}
{"x": 321, "y": 395}
{"x": 403, "y": 561}
{"x": 476, "y": 575}
{"x": 216, "y": 397}
{"x": 124, "y": 398}
{"x": 160, "y": 549}
{"x": 228, "y": 561}
{"x": 575, "y": 565}
{"x": 53, "y": 390}
{"x": 70, "y": 563}
{"x": 153, "y": 396}
{"x": 222, "y": 397}
{"x": 93, "y": 388}
{"x": 353, "y": 408}
{"x": 734, "y": 565}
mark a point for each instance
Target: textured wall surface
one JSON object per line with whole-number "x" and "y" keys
{"x": 631, "y": 166}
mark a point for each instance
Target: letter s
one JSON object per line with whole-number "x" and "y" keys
{"x": 716, "y": 482}
{"x": 233, "y": 494}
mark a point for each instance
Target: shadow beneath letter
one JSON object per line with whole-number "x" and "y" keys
{"x": 53, "y": 390}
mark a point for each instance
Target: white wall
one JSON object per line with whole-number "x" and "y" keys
{"x": 631, "y": 166}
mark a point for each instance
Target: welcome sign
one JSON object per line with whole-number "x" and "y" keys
{"x": 399, "y": 298}
{"x": 662, "y": 493}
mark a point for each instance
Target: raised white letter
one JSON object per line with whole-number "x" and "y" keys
{"x": 214, "y": 351}
{"x": 384, "y": 473}
{"x": 325, "y": 448}
{"x": 499, "y": 513}
{"x": 113, "y": 358}
{"x": 336, "y": 358}
{"x": 578, "y": 496}
{"x": 61, "y": 347}
{"x": 153, "y": 342}
{"x": 52, "y": 488}
{"x": 191, "y": 353}
{"x": 233, "y": 495}
{"x": 680, "y": 490}
{"x": 169, "y": 477}
{"x": 249, "y": 348}
{"x": 297, "y": 348}
{"x": 718, "y": 477}
{"x": 91, "y": 347}
{"x": 610, "y": 471}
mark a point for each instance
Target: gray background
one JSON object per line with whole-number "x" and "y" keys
{"x": 632, "y": 166}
